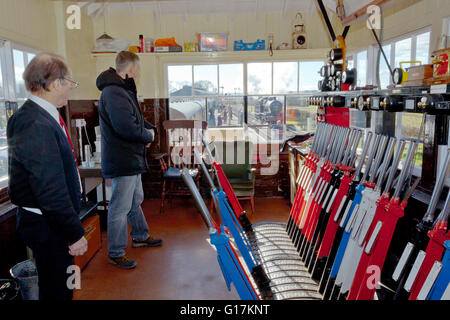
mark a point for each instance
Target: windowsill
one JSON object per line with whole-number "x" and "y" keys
{"x": 6, "y": 208}
{"x": 3, "y": 186}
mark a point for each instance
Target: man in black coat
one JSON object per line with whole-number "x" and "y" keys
{"x": 125, "y": 137}
{"x": 43, "y": 176}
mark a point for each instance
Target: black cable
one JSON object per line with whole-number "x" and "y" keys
{"x": 381, "y": 48}
{"x": 346, "y": 29}
{"x": 327, "y": 20}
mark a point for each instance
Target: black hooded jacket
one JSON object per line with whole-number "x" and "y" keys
{"x": 123, "y": 127}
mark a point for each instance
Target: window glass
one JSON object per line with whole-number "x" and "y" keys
{"x": 300, "y": 117}
{"x": 231, "y": 79}
{"x": 30, "y": 57}
{"x": 266, "y": 110}
{"x": 422, "y": 47}
{"x": 309, "y": 75}
{"x": 385, "y": 74}
{"x": 187, "y": 109}
{"x": 362, "y": 68}
{"x": 205, "y": 80}
{"x": 285, "y": 76}
{"x": 19, "y": 68}
{"x": 180, "y": 80}
{"x": 259, "y": 78}
{"x": 350, "y": 63}
{"x": 402, "y": 52}
{"x": 225, "y": 112}
{"x": 3, "y": 144}
{"x": 2, "y": 93}
{"x": 410, "y": 127}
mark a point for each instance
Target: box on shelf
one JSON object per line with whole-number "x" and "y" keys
{"x": 169, "y": 49}
{"x": 93, "y": 236}
{"x": 212, "y": 41}
{"x": 190, "y": 47}
{"x": 418, "y": 75}
{"x": 240, "y": 45}
{"x": 441, "y": 67}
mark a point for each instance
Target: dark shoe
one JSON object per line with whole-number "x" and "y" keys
{"x": 150, "y": 242}
{"x": 122, "y": 262}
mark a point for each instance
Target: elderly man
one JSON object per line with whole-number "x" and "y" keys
{"x": 43, "y": 176}
{"x": 125, "y": 137}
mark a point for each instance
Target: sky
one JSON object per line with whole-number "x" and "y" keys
{"x": 231, "y": 77}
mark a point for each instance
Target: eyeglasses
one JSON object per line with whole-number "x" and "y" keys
{"x": 74, "y": 84}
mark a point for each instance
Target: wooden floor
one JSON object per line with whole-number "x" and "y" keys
{"x": 184, "y": 267}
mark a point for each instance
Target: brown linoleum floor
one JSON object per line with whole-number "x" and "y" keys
{"x": 184, "y": 267}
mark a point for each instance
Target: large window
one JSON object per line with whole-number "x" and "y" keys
{"x": 13, "y": 60}
{"x": 180, "y": 80}
{"x": 231, "y": 79}
{"x": 412, "y": 47}
{"x": 263, "y": 93}
{"x": 408, "y": 126}
{"x": 3, "y": 146}
{"x": 285, "y": 77}
{"x": 265, "y": 110}
{"x": 402, "y": 52}
{"x": 225, "y": 112}
{"x": 2, "y": 93}
{"x": 300, "y": 117}
{"x": 19, "y": 68}
{"x": 309, "y": 75}
{"x": 358, "y": 60}
{"x": 385, "y": 74}
{"x": 205, "y": 80}
{"x": 423, "y": 47}
{"x": 259, "y": 78}
{"x": 361, "y": 67}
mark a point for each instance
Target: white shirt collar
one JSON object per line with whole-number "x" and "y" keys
{"x": 47, "y": 106}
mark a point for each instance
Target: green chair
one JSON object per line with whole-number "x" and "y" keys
{"x": 237, "y": 166}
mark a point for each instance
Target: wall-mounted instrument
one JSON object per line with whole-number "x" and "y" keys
{"x": 336, "y": 101}
{"x": 363, "y": 103}
{"x": 374, "y": 103}
{"x": 299, "y": 33}
{"x": 392, "y": 104}
{"x": 401, "y": 74}
{"x": 349, "y": 77}
{"x": 429, "y": 102}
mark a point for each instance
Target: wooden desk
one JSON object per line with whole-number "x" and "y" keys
{"x": 91, "y": 178}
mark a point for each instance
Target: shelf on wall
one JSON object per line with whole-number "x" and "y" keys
{"x": 294, "y": 53}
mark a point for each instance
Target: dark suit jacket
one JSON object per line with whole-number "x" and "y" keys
{"x": 43, "y": 174}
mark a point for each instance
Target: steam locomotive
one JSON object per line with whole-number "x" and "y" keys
{"x": 269, "y": 110}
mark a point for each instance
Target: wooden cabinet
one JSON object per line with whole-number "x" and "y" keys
{"x": 12, "y": 249}
{"x": 93, "y": 235}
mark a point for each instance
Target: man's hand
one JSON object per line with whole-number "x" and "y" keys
{"x": 152, "y": 131}
{"x": 79, "y": 247}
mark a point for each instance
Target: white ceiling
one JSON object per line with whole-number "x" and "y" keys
{"x": 188, "y": 7}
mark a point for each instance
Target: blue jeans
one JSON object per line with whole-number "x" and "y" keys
{"x": 125, "y": 204}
